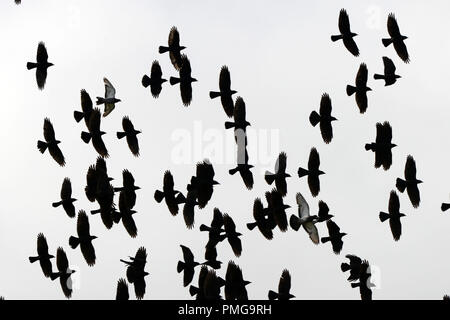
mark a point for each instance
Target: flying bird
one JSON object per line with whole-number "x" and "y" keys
{"x": 323, "y": 214}
{"x": 305, "y": 219}
{"x": 354, "y": 266}
{"x": 66, "y": 198}
{"x": 136, "y": 272}
{"x": 86, "y": 107}
{"x": 122, "y": 290}
{"x": 360, "y": 89}
{"x": 243, "y": 167}
{"x": 389, "y": 75}
{"x": 84, "y": 239}
{"x": 187, "y": 266}
{"x": 51, "y": 143}
{"x": 260, "y": 220}
{"x": 277, "y": 209}
{"x": 185, "y": 80}
{"x": 232, "y": 235}
{"x": 396, "y": 38}
{"x": 382, "y": 146}
{"x": 41, "y": 65}
{"x": 212, "y": 285}
{"x": 190, "y": 202}
{"x": 198, "y": 292}
{"x": 43, "y": 256}
{"x": 171, "y": 196}
{"x": 284, "y": 288}
{"x": 235, "y": 283}
{"x": 203, "y": 183}
{"x": 129, "y": 188}
{"x": 95, "y": 134}
{"x": 240, "y": 124}
{"x": 346, "y": 34}
{"x": 126, "y": 214}
{"x": 280, "y": 175}
{"x": 63, "y": 273}
{"x": 225, "y": 92}
{"x": 324, "y": 117}
{"x": 313, "y": 172}
{"x": 215, "y": 235}
{"x": 110, "y": 99}
{"x": 174, "y": 48}
{"x": 335, "y": 236}
{"x": 410, "y": 183}
{"x": 131, "y": 134}
{"x": 155, "y": 80}
{"x": 393, "y": 216}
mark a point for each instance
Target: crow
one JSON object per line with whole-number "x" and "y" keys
{"x": 41, "y": 65}
{"x": 126, "y": 214}
{"x": 394, "y": 216}
{"x": 313, "y": 172}
{"x": 396, "y": 38}
{"x": 324, "y": 117}
{"x": 84, "y": 239}
{"x": 131, "y": 135}
{"x": 269, "y": 211}
{"x": 174, "y": 48}
{"x": 278, "y": 209}
{"x": 345, "y": 34}
{"x": 129, "y": 188}
{"x": 188, "y": 266}
{"x": 172, "y": 197}
{"x": 260, "y": 220}
{"x": 122, "y": 290}
{"x": 198, "y": 291}
{"x": 280, "y": 175}
{"x": 215, "y": 235}
{"x": 240, "y": 124}
{"x": 361, "y": 88}
{"x": 242, "y": 166}
{"x": 136, "y": 273}
{"x": 43, "y": 256}
{"x": 212, "y": 285}
{"x": 410, "y": 183}
{"x": 63, "y": 273}
{"x": 335, "y": 236}
{"x": 354, "y": 266}
{"x": 445, "y": 206}
{"x": 364, "y": 282}
{"x": 51, "y": 143}
{"x": 225, "y": 92}
{"x": 102, "y": 192}
{"x": 110, "y": 99}
{"x": 284, "y": 287}
{"x": 190, "y": 201}
{"x": 389, "y": 75}
{"x": 203, "y": 182}
{"x": 155, "y": 80}
{"x": 185, "y": 80}
{"x": 66, "y": 198}
{"x": 304, "y": 219}
{"x": 235, "y": 283}
{"x": 323, "y": 214}
{"x": 95, "y": 134}
{"x": 92, "y": 177}
{"x": 382, "y": 146}
{"x": 232, "y": 235}
{"x": 86, "y": 107}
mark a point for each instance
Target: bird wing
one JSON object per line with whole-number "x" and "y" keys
{"x": 351, "y": 46}
{"x": 66, "y": 189}
{"x": 247, "y": 177}
{"x": 401, "y": 50}
{"x": 94, "y": 120}
{"x": 284, "y": 286}
{"x": 228, "y": 223}
{"x": 394, "y": 203}
{"x": 239, "y": 110}
{"x": 128, "y": 179}
{"x": 217, "y": 221}
{"x": 361, "y": 76}
{"x": 392, "y": 26}
{"x": 156, "y": 72}
{"x": 314, "y": 160}
{"x": 83, "y": 224}
{"x": 139, "y": 288}
{"x": 312, "y": 231}
{"x": 323, "y": 209}
{"x": 333, "y": 228}
{"x": 354, "y": 260}
{"x": 61, "y": 260}
{"x": 280, "y": 165}
{"x": 379, "y": 137}
{"x": 110, "y": 91}
{"x": 49, "y": 132}
{"x": 224, "y": 79}
{"x": 188, "y": 256}
{"x": 410, "y": 168}
{"x": 168, "y": 183}
{"x": 361, "y": 101}
{"x": 41, "y": 56}
{"x": 86, "y": 103}
{"x": 185, "y": 70}
{"x": 100, "y": 166}
{"x": 174, "y": 37}
{"x": 122, "y": 290}
{"x": 326, "y": 130}
{"x": 42, "y": 247}
{"x": 41, "y": 77}
{"x": 387, "y": 132}
{"x": 389, "y": 67}
{"x": 303, "y": 207}
{"x": 127, "y": 125}
{"x": 344, "y": 23}
{"x": 396, "y": 227}
{"x": 140, "y": 259}
{"x": 314, "y": 185}
{"x": 325, "y": 105}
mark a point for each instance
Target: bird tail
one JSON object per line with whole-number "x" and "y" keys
{"x": 273, "y": 295}
{"x": 85, "y": 136}
{"x": 180, "y": 266}
{"x": 214, "y": 94}
{"x": 56, "y": 204}
{"x": 445, "y": 206}
{"x": 100, "y": 100}
{"x": 325, "y": 239}
{"x": 355, "y": 285}
{"x": 163, "y": 49}
{"x": 180, "y": 198}
{"x": 350, "y": 90}
{"x": 33, "y": 259}
{"x": 302, "y": 172}
{"x": 386, "y": 42}
{"x": 229, "y": 125}
{"x": 383, "y": 216}
{"x": 336, "y": 38}
{"x": 54, "y": 276}
{"x": 233, "y": 171}
{"x": 377, "y": 76}
{"x": 78, "y": 115}
{"x": 159, "y": 196}
{"x": 174, "y": 80}
{"x": 368, "y": 146}
{"x": 31, "y": 65}
{"x": 120, "y": 135}
{"x": 145, "y": 81}
{"x": 401, "y": 185}
{"x": 74, "y": 242}
{"x": 345, "y": 267}
{"x": 42, "y": 146}
{"x": 193, "y": 290}
{"x": 204, "y": 228}
{"x": 314, "y": 118}
{"x": 269, "y": 177}
{"x": 294, "y": 222}
{"x": 251, "y": 225}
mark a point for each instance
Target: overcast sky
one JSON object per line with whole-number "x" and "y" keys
{"x": 281, "y": 60}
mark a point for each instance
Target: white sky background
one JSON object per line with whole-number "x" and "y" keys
{"x": 281, "y": 60}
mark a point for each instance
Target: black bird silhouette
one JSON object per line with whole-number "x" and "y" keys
{"x": 215, "y": 235}
{"x": 410, "y": 183}
{"x": 243, "y": 167}
{"x": 43, "y": 256}
{"x": 95, "y": 134}
{"x": 313, "y": 172}
{"x": 324, "y": 117}
{"x": 126, "y": 214}
{"x": 323, "y": 214}
{"x": 389, "y": 75}
{"x": 185, "y": 80}
{"x": 382, "y": 146}
{"x": 225, "y": 92}
{"x": 188, "y": 266}
{"x": 99, "y": 187}
{"x": 122, "y": 290}
{"x": 172, "y": 197}
{"x": 212, "y": 285}
{"x": 110, "y": 99}
{"x": 63, "y": 273}
{"x": 129, "y": 188}
{"x": 174, "y": 48}
{"x": 240, "y": 124}
{"x": 361, "y": 88}
{"x": 278, "y": 209}
{"x": 155, "y": 80}
{"x": 280, "y": 175}
{"x": 393, "y": 216}
{"x": 136, "y": 273}
{"x": 396, "y": 38}
{"x": 190, "y": 201}
{"x": 354, "y": 266}
{"x": 198, "y": 292}
{"x": 235, "y": 283}
{"x": 364, "y": 282}
{"x": 284, "y": 288}
{"x": 96, "y": 172}
{"x": 335, "y": 236}
{"x": 86, "y": 107}
{"x": 131, "y": 135}
{"x": 232, "y": 235}
{"x": 66, "y": 198}
{"x": 346, "y": 34}
{"x": 211, "y": 256}
{"x": 203, "y": 182}
{"x": 269, "y": 211}
{"x": 260, "y": 220}
{"x": 51, "y": 143}
{"x": 41, "y": 65}
{"x": 445, "y": 206}
{"x": 84, "y": 239}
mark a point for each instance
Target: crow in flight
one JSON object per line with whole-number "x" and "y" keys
{"x": 364, "y": 282}
{"x": 66, "y": 198}
{"x": 86, "y": 107}
{"x": 203, "y": 182}
{"x": 131, "y": 135}
{"x": 278, "y": 209}
{"x": 99, "y": 188}
{"x": 136, "y": 273}
{"x": 185, "y": 80}
{"x": 396, "y": 38}
{"x": 198, "y": 291}
{"x": 174, "y": 48}
{"x": 190, "y": 201}
{"x": 382, "y": 146}
{"x": 323, "y": 214}
{"x": 188, "y": 266}
{"x": 232, "y": 235}
{"x": 445, "y": 206}
{"x": 110, "y": 99}
{"x": 313, "y": 172}
{"x": 260, "y": 220}
{"x": 354, "y": 266}
{"x": 63, "y": 273}
{"x": 122, "y": 290}
{"x": 95, "y": 134}
{"x": 346, "y": 34}
{"x": 242, "y": 166}
{"x": 335, "y": 236}
{"x": 43, "y": 256}
{"x": 41, "y": 65}
{"x": 95, "y": 172}
{"x": 284, "y": 287}
{"x": 215, "y": 235}
{"x": 389, "y": 75}
{"x": 240, "y": 123}
{"x": 225, "y": 93}
{"x": 235, "y": 283}
{"x": 51, "y": 143}
{"x": 212, "y": 285}
{"x": 126, "y": 214}
{"x": 155, "y": 80}
{"x": 280, "y": 174}
{"x": 84, "y": 239}
{"x": 394, "y": 216}
{"x": 304, "y": 219}
{"x": 172, "y": 197}
{"x": 324, "y": 117}
{"x": 129, "y": 188}
{"x": 361, "y": 88}
{"x": 410, "y": 183}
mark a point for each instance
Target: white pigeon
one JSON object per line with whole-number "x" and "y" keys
{"x": 110, "y": 98}
{"x": 304, "y": 219}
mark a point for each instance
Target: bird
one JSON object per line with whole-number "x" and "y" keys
{"x": 280, "y": 175}
{"x": 215, "y": 235}
{"x": 84, "y": 239}
{"x": 66, "y": 199}
{"x": 410, "y": 183}
{"x": 131, "y": 134}
{"x": 41, "y": 65}
{"x": 198, "y": 292}
{"x": 203, "y": 182}
{"x": 346, "y": 34}
{"x": 324, "y": 117}
{"x": 232, "y": 235}
{"x": 382, "y": 146}
{"x": 185, "y": 80}
{"x": 393, "y": 216}
{"x": 43, "y": 256}
{"x": 240, "y": 124}
{"x": 360, "y": 89}
{"x": 313, "y": 172}
{"x": 323, "y": 214}
{"x": 243, "y": 167}
{"x": 225, "y": 92}
{"x": 95, "y": 134}
{"x": 51, "y": 143}
{"x": 335, "y": 236}
{"x": 260, "y": 220}
{"x": 278, "y": 209}
{"x": 389, "y": 75}
{"x": 190, "y": 202}
{"x": 122, "y": 290}
{"x": 171, "y": 196}
{"x": 364, "y": 282}
{"x": 110, "y": 99}
{"x": 445, "y": 206}
{"x": 64, "y": 273}
{"x": 304, "y": 219}
{"x": 187, "y": 266}
{"x": 284, "y": 288}
{"x": 126, "y": 214}
{"x": 86, "y": 107}
{"x": 174, "y": 48}
{"x": 354, "y": 266}
{"x": 396, "y": 38}
{"x": 100, "y": 189}
{"x": 155, "y": 80}
{"x": 235, "y": 283}
{"x": 129, "y": 188}
{"x": 136, "y": 272}
{"x": 212, "y": 285}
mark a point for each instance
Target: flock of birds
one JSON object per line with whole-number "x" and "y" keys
{"x": 200, "y": 190}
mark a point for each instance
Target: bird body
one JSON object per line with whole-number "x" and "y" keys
{"x": 389, "y": 75}
{"x": 110, "y": 99}
{"x": 225, "y": 92}
{"x": 393, "y": 216}
{"x": 396, "y": 38}
{"x": 155, "y": 80}
{"x": 346, "y": 35}
{"x": 410, "y": 183}
{"x": 41, "y": 65}
{"x": 51, "y": 143}
{"x": 382, "y": 146}
{"x": 324, "y": 118}
{"x": 312, "y": 172}
{"x": 360, "y": 89}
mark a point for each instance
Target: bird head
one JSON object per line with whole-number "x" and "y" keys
{"x": 353, "y": 34}
{"x": 402, "y": 215}
{"x": 93, "y": 237}
{"x": 102, "y": 133}
{"x": 238, "y": 234}
{"x": 110, "y": 179}
{"x": 133, "y": 211}
{"x": 321, "y": 172}
{"x": 404, "y": 37}
{"x": 137, "y": 188}
{"x": 73, "y": 199}
{"x": 163, "y": 80}
{"x": 419, "y": 181}
{"x": 397, "y": 76}
{"x": 393, "y": 145}
{"x": 233, "y": 92}
{"x": 50, "y": 256}
{"x": 291, "y": 296}
{"x": 138, "y": 131}
{"x": 369, "y": 89}
{"x": 193, "y": 80}
{"x": 246, "y": 282}
{"x": 286, "y": 206}
{"x": 287, "y": 175}
{"x": 215, "y": 182}
{"x": 333, "y": 119}
{"x": 247, "y": 123}
{"x": 146, "y": 273}
{"x": 182, "y": 48}
{"x": 57, "y": 141}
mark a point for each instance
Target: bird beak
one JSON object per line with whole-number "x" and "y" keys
{"x": 333, "y": 119}
{"x": 102, "y": 133}
{"x": 321, "y": 172}
{"x": 194, "y": 80}
{"x": 288, "y": 175}
{"x": 163, "y": 80}
{"x": 369, "y": 89}
{"x": 419, "y": 181}
{"x": 215, "y": 182}
{"x": 394, "y": 145}
{"x": 57, "y": 141}
{"x": 182, "y": 47}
